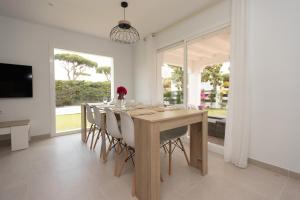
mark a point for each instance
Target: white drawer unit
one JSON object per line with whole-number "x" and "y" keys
{"x": 19, "y": 131}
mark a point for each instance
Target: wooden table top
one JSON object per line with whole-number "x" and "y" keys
{"x": 14, "y": 123}
{"x": 169, "y": 114}
{"x": 154, "y": 113}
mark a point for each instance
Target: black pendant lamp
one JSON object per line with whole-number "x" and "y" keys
{"x": 124, "y": 32}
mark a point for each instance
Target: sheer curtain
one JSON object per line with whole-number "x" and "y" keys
{"x": 236, "y": 146}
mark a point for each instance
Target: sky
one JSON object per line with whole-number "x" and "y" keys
{"x": 61, "y": 74}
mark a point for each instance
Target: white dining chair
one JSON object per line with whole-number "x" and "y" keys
{"x": 91, "y": 120}
{"x": 130, "y": 102}
{"x": 171, "y": 139}
{"x": 98, "y": 122}
{"x": 127, "y": 128}
{"x": 114, "y": 131}
{"x": 158, "y": 104}
{"x": 192, "y": 107}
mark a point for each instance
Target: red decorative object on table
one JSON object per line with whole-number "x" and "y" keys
{"x": 122, "y": 91}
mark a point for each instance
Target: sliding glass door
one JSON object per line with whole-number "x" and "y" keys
{"x": 196, "y": 73}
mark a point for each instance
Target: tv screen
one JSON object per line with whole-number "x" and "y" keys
{"x": 15, "y": 81}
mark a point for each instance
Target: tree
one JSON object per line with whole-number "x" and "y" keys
{"x": 75, "y": 65}
{"x": 177, "y": 77}
{"x": 104, "y": 70}
{"x": 213, "y": 75}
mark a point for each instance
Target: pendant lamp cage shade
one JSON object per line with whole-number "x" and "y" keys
{"x": 124, "y": 32}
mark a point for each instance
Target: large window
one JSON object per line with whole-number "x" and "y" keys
{"x": 79, "y": 78}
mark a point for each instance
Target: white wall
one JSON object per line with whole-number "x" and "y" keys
{"x": 273, "y": 54}
{"x": 31, "y": 44}
{"x": 273, "y": 48}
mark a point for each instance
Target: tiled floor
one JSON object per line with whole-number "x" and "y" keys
{"x": 63, "y": 168}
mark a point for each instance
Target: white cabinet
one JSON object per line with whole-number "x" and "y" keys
{"x": 19, "y": 137}
{"x": 19, "y": 131}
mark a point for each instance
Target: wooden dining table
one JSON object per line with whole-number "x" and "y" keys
{"x": 148, "y": 126}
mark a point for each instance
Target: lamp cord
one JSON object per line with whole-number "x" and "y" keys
{"x": 124, "y": 13}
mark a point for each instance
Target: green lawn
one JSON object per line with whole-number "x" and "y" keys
{"x": 217, "y": 112}
{"x": 67, "y": 122}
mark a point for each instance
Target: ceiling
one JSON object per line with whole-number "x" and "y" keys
{"x": 211, "y": 49}
{"x": 97, "y": 17}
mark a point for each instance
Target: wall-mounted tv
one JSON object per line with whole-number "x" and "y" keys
{"x": 15, "y": 81}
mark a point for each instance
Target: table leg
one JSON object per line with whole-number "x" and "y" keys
{"x": 83, "y": 122}
{"x": 147, "y": 168}
{"x": 103, "y": 135}
{"x": 198, "y": 145}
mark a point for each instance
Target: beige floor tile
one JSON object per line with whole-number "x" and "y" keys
{"x": 64, "y": 168}
{"x": 291, "y": 190}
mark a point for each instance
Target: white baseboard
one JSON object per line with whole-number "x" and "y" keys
{"x": 216, "y": 148}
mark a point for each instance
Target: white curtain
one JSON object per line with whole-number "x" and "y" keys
{"x": 236, "y": 146}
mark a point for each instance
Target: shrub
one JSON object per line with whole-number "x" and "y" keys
{"x": 175, "y": 97}
{"x": 76, "y": 92}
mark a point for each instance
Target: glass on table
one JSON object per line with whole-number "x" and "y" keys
{"x": 105, "y": 100}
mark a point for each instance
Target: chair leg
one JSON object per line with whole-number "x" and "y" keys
{"x": 93, "y": 138}
{"x": 183, "y": 149}
{"x": 107, "y": 135}
{"x": 165, "y": 149}
{"x": 103, "y": 144}
{"x": 170, "y": 157}
{"x": 123, "y": 163}
{"x": 98, "y": 136}
{"x": 108, "y": 150}
{"x": 117, "y": 158}
{"x": 90, "y": 130}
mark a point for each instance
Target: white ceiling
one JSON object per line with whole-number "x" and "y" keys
{"x": 97, "y": 17}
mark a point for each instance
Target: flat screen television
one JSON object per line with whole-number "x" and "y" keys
{"x": 15, "y": 81}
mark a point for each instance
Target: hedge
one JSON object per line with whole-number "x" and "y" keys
{"x": 173, "y": 97}
{"x": 76, "y": 92}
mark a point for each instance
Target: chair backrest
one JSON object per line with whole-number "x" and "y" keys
{"x": 112, "y": 124}
{"x": 178, "y": 106}
{"x": 192, "y": 107}
{"x": 158, "y": 104}
{"x": 130, "y": 102}
{"x": 97, "y": 115}
{"x": 89, "y": 114}
{"x": 127, "y": 128}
